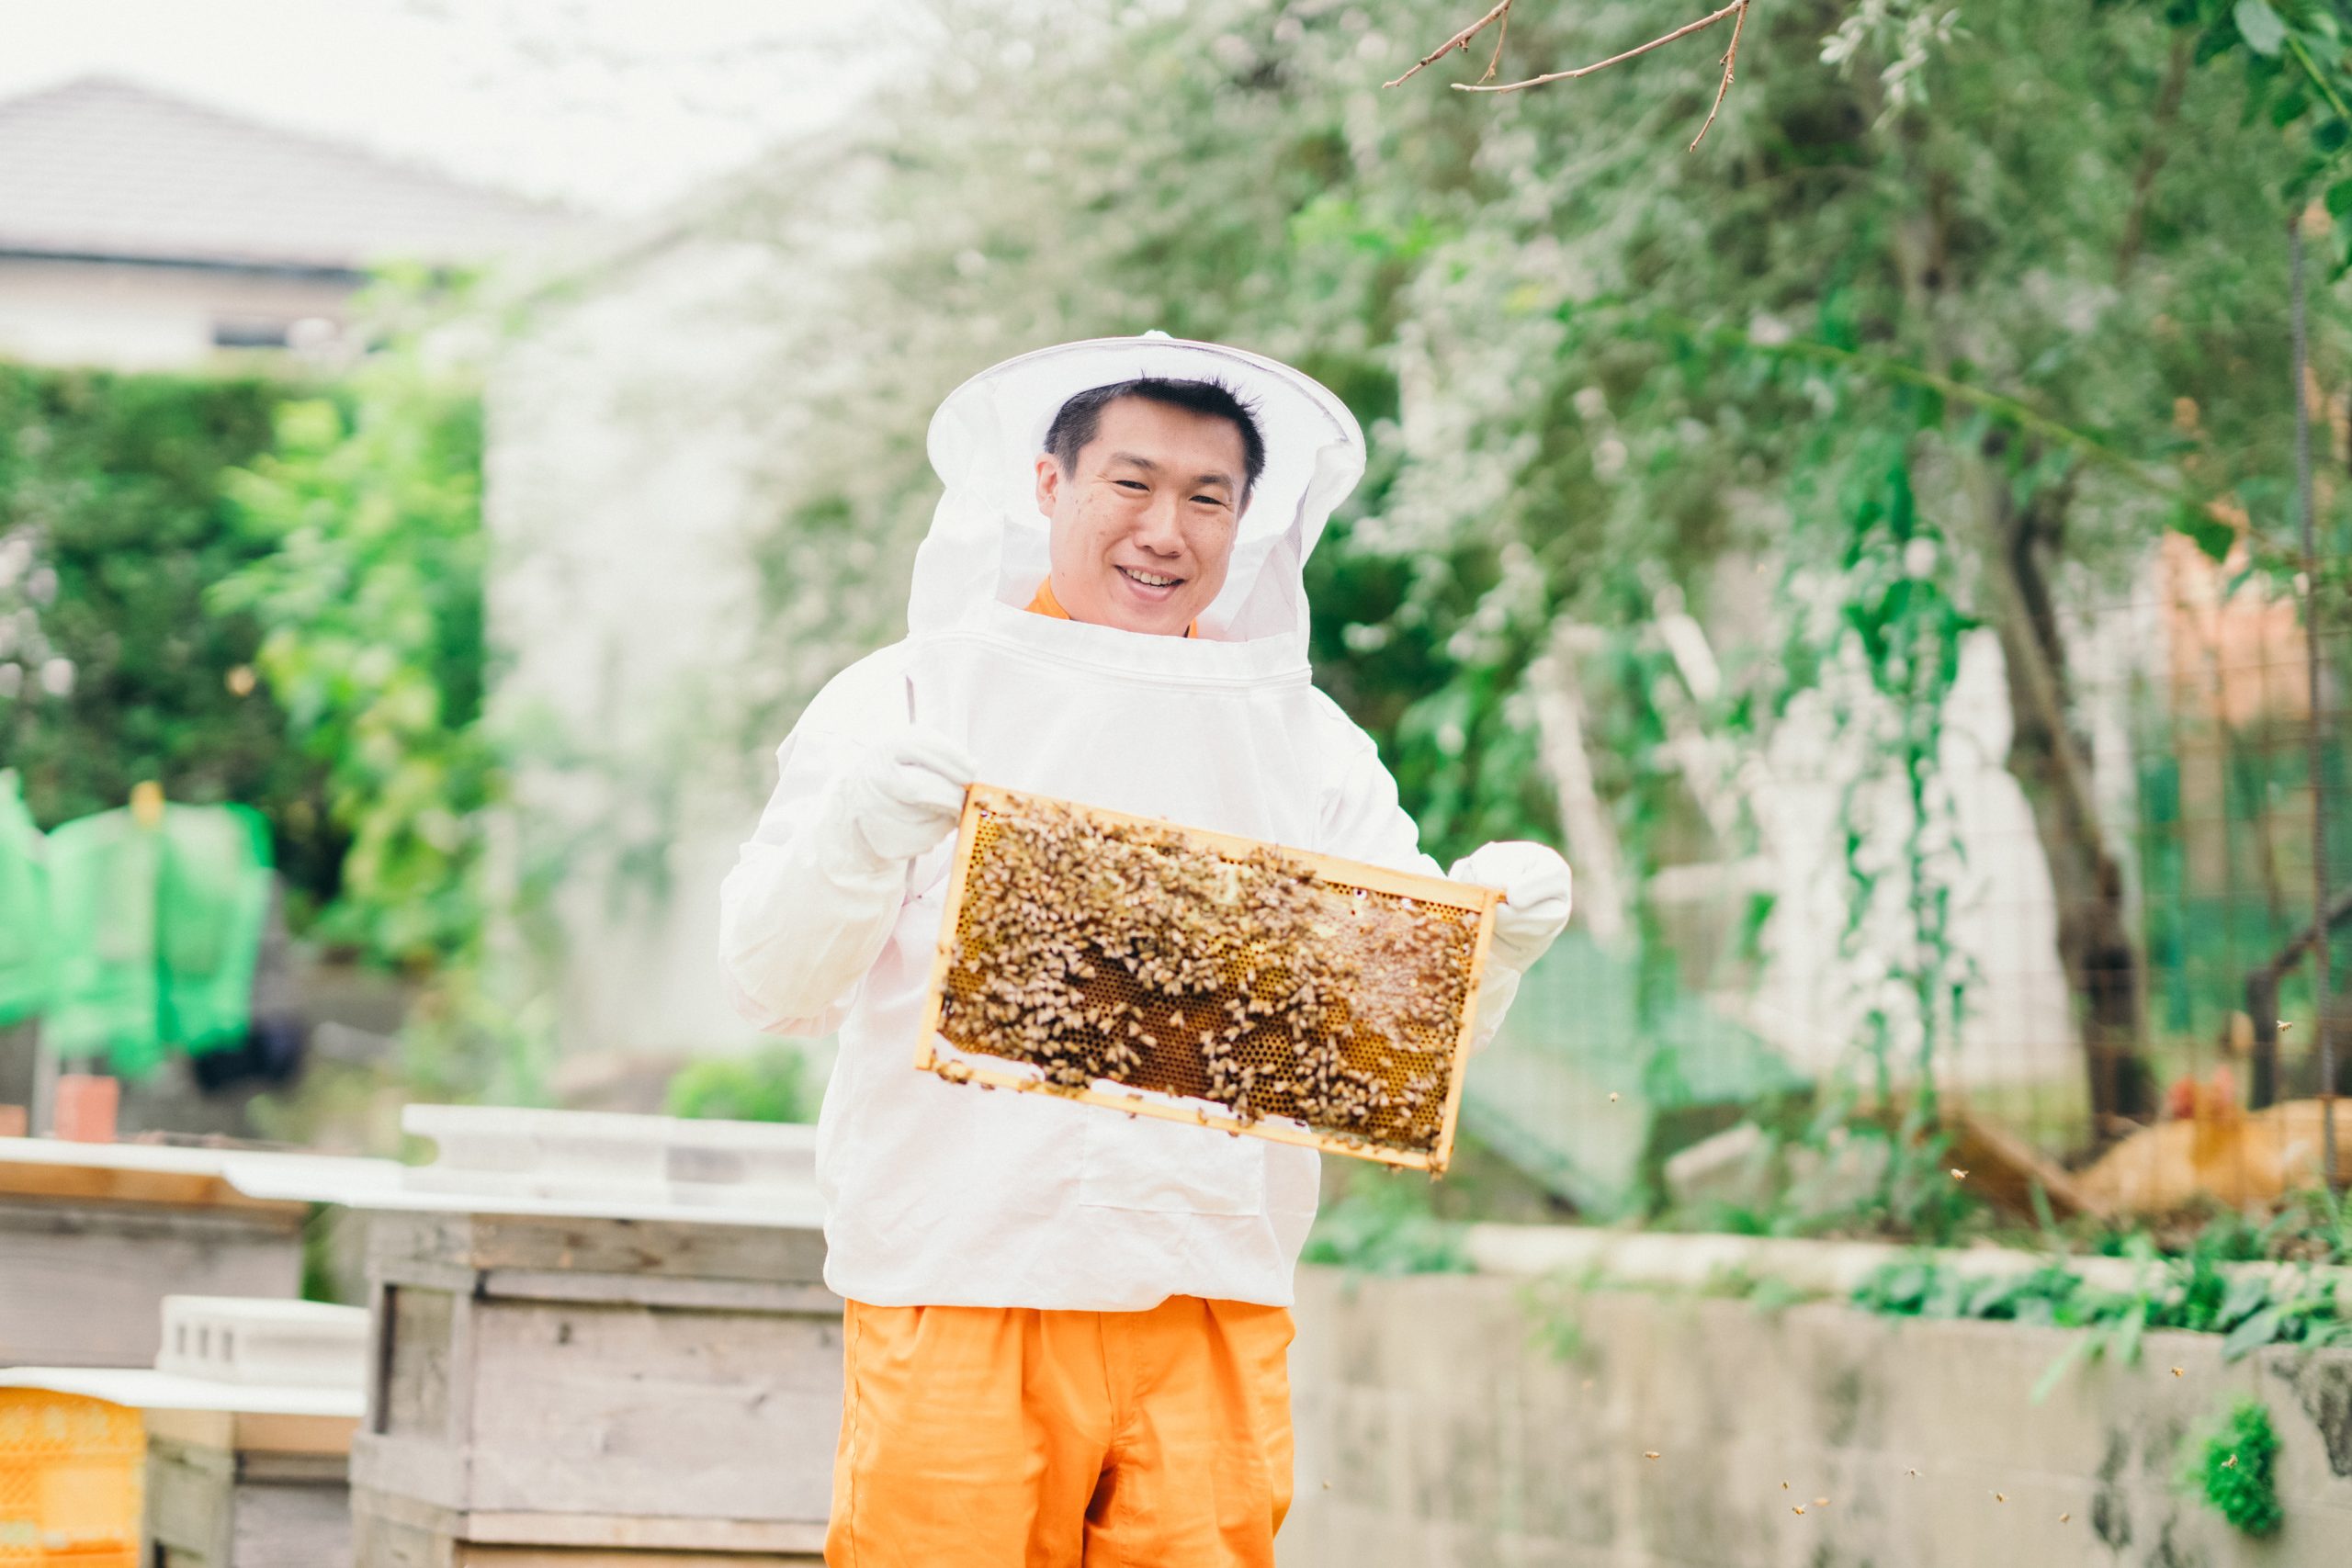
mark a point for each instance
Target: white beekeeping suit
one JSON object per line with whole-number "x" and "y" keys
{"x": 940, "y": 1194}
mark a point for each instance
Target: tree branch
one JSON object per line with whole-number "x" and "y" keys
{"x": 1737, "y": 8}
{"x": 1460, "y": 40}
{"x": 1730, "y": 56}
{"x": 1499, "y": 19}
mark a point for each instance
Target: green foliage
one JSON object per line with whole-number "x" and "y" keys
{"x": 2251, "y": 1309}
{"x": 2236, "y": 1470}
{"x": 113, "y": 522}
{"x": 2297, "y": 56}
{"x": 1382, "y": 1225}
{"x": 366, "y": 522}
{"x": 1787, "y": 383}
{"x": 769, "y": 1084}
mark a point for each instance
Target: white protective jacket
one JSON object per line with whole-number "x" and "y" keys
{"x": 941, "y": 1195}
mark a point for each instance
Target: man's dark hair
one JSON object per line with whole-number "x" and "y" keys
{"x": 1081, "y": 418}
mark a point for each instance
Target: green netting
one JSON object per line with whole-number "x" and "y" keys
{"x": 1587, "y": 1095}
{"x": 209, "y": 910}
{"x": 24, "y": 908}
{"x": 156, "y": 932}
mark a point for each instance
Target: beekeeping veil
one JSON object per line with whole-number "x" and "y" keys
{"x": 987, "y": 541}
{"x": 1204, "y": 730}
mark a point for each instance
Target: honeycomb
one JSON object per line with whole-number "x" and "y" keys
{"x": 1098, "y": 948}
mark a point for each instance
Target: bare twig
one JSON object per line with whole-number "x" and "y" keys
{"x": 1736, "y": 7}
{"x": 1460, "y": 40}
{"x": 1730, "y": 56}
{"x": 1501, "y": 37}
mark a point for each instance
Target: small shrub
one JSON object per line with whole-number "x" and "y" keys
{"x": 771, "y": 1084}
{"x": 2235, "y": 1473}
{"x": 1382, "y": 1225}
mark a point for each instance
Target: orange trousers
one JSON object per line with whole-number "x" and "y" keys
{"x": 990, "y": 1437}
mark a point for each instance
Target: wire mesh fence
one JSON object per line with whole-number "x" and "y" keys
{"x": 2133, "y": 953}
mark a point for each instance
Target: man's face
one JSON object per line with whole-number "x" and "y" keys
{"x": 1144, "y": 523}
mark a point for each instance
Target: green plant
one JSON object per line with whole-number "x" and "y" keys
{"x": 767, "y": 1085}
{"x": 113, "y": 520}
{"x": 2251, "y": 1309}
{"x": 369, "y": 589}
{"x": 1382, "y": 1225}
{"x": 2235, "y": 1469}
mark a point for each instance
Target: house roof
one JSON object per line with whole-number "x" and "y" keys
{"x": 103, "y": 168}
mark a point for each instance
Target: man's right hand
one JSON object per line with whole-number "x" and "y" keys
{"x": 906, "y": 794}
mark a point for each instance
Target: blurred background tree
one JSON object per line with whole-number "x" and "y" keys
{"x": 1943, "y": 331}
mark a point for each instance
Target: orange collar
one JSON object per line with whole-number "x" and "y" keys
{"x": 1045, "y": 603}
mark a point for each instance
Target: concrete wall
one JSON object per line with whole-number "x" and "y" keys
{"x": 1460, "y": 1419}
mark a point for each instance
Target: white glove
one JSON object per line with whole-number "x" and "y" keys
{"x": 1536, "y": 886}
{"x": 905, "y": 794}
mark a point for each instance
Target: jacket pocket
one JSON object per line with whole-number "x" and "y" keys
{"x": 1168, "y": 1167}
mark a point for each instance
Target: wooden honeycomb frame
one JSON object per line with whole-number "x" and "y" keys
{"x": 969, "y": 1062}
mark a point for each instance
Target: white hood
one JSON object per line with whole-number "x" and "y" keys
{"x": 987, "y": 540}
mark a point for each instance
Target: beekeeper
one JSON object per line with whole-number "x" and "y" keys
{"x": 1067, "y": 1328}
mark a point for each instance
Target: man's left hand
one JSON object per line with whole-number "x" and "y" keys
{"x": 1536, "y": 888}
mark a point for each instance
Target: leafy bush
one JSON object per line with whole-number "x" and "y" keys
{"x": 1382, "y": 1225}
{"x": 2250, "y": 1310}
{"x": 2236, "y": 1471}
{"x": 362, "y": 521}
{"x": 771, "y": 1084}
{"x": 113, "y": 520}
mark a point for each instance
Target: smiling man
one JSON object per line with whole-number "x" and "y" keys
{"x": 1065, "y": 1330}
{"x": 1144, "y": 483}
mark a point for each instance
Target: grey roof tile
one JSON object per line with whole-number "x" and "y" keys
{"x": 99, "y": 166}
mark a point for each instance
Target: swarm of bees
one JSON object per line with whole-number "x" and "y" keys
{"x": 1097, "y": 950}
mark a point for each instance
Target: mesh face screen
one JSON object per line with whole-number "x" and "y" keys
{"x": 1094, "y": 947}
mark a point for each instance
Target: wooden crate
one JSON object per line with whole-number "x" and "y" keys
{"x": 578, "y": 1390}
{"x": 967, "y": 1060}
{"x": 228, "y": 1490}
{"x": 247, "y": 1416}
{"x": 108, "y": 1231}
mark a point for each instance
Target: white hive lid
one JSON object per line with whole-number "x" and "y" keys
{"x": 239, "y": 1355}
{"x": 251, "y": 1340}
{"x": 552, "y": 1154}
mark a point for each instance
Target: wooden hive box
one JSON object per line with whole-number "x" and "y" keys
{"x": 553, "y": 1386}
{"x": 247, "y": 1422}
{"x": 261, "y": 1477}
{"x": 110, "y": 1229}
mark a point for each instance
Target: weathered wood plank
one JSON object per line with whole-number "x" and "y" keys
{"x": 625, "y": 1532}
{"x": 99, "y": 1275}
{"x": 472, "y": 1556}
{"x": 188, "y": 1503}
{"x": 285, "y": 1440}
{"x": 209, "y": 1506}
{"x": 580, "y": 1538}
{"x": 675, "y": 1248}
{"x": 70, "y": 1181}
{"x": 657, "y": 1291}
{"x": 417, "y": 1369}
{"x": 635, "y": 1410}
{"x": 424, "y": 1469}
{"x": 385, "y": 1536}
{"x": 282, "y": 1525}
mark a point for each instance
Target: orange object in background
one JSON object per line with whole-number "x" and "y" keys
{"x": 15, "y": 1121}
{"x": 70, "y": 1475}
{"x": 87, "y": 1103}
{"x": 2215, "y": 1147}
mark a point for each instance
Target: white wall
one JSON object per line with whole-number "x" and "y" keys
{"x": 625, "y": 450}
{"x": 142, "y": 318}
